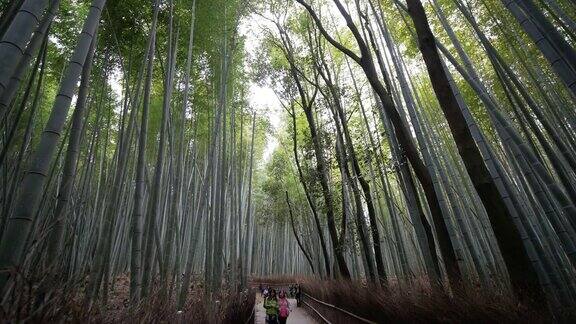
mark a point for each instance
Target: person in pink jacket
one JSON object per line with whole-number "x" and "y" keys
{"x": 284, "y": 307}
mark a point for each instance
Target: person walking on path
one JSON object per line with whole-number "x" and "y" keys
{"x": 271, "y": 306}
{"x": 283, "y": 308}
{"x": 298, "y": 293}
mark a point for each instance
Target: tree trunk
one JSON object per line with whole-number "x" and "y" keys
{"x": 19, "y": 224}
{"x": 71, "y": 159}
{"x": 16, "y": 37}
{"x": 401, "y": 130}
{"x": 140, "y": 191}
{"x": 296, "y": 234}
{"x": 522, "y": 274}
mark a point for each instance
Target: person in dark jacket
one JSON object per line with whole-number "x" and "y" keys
{"x": 298, "y": 294}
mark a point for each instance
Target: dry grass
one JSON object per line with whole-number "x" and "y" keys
{"x": 416, "y": 303}
{"x": 67, "y": 305}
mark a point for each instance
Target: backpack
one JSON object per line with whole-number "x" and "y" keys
{"x": 284, "y": 309}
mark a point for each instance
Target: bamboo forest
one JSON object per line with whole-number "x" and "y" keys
{"x": 216, "y": 161}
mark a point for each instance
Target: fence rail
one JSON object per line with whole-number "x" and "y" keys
{"x": 349, "y": 316}
{"x": 251, "y": 319}
{"x": 328, "y": 317}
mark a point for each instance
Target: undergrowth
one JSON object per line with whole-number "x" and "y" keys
{"x": 416, "y": 303}
{"x": 67, "y": 304}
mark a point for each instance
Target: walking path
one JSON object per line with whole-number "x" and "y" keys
{"x": 298, "y": 315}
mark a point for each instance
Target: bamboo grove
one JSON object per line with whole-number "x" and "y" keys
{"x": 418, "y": 141}
{"x": 127, "y": 149}
{"x": 428, "y": 139}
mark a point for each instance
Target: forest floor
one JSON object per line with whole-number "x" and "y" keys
{"x": 298, "y": 315}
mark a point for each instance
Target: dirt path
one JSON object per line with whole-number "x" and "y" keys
{"x": 298, "y": 315}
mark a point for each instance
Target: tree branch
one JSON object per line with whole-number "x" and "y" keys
{"x": 329, "y": 38}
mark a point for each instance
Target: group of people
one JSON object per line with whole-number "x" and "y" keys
{"x": 295, "y": 292}
{"x": 277, "y": 305}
